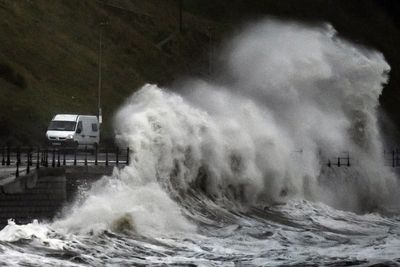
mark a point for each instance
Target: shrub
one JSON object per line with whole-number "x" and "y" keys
{"x": 11, "y": 76}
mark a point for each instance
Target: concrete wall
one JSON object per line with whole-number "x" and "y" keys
{"x": 43, "y": 193}
{"x": 37, "y": 196}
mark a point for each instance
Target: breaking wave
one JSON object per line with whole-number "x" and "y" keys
{"x": 299, "y": 98}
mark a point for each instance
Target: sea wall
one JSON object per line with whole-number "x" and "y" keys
{"x": 43, "y": 193}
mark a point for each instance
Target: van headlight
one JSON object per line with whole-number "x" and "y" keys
{"x": 70, "y": 136}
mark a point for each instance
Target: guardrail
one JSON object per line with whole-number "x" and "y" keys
{"x": 51, "y": 157}
{"x": 23, "y": 159}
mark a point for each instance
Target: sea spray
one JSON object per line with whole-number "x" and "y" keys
{"x": 298, "y": 96}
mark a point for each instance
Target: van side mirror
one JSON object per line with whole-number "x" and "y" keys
{"x": 78, "y": 130}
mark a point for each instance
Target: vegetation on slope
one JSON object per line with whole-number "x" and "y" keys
{"x": 49, "y": 49}
{"x": 49, "y": 58}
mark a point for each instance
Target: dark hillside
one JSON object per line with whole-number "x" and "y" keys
{"x": 49, "y": 49}
{"x": 49, "y": 57}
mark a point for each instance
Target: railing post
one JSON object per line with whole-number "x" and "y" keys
{"x": 106, "y": 157}
{"x": 95, "y": 154}
{"x": 338, "y": 161}
{"x": 127, "y": 156}
{"x": 75, "y": 156}
{"x": 17, "y": 171}
{"x": 28, "y": 159}
{"x": 37, "y": 158}
{"x": 46, "y": 156}
{"x": 8, "y": 156}
{"x": 85, "y": 155}
{"x": 30, "y": 156}
{"x": 64, "y": 160}
{"x": 28, "y": 166}
{"x": 53, "y": 162}
{"x": 18, "y": 155}
{"x": 116, "y": 156}
{"x": 3, "y": 160}
{"x": 58, "y": 158}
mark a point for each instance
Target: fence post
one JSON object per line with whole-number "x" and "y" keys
{"x": 116, "y": 156}
{"x": 37, "y": 158}
{"x": 85, "y": 155}
{"x": 43, "y": 158}
{"x": 8, "y": 156}
{"x": 28, "y": 161}
{"x": 53, "y": 162}
{"x": 338, "y": 161}
{"x": 46, "y": 156}
{"x": 18, "y": 155}
{"x": 58, "y": 158}
{"x": 106, "y": 157}
{"x": 17, "y": 171}
{"x": 31, "y": 152}
{"x": 64, "y": 160}
{"x": 75, "y": 156}
{"x": 28, "y": 157}
{"x": 127, "y": 156}
{"x": 28, "y": 166}
{"x": 3, "y": 160}
{"x": 95, "y": 154}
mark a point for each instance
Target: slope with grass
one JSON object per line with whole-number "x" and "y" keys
{"x": 49, "y": 50}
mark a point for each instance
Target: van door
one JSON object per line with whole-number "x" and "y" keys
{"x": 94, "y": 132}
{"x": 80, "y": 133}
{"x": 86, "y": 131}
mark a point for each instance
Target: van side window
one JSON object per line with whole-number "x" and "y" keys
{"x": 94, "y": 127}
{"x": 79, "y": 127}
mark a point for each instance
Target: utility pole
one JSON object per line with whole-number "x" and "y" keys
{"x": 99, "y": 88}
{"x": 99, "y": 82}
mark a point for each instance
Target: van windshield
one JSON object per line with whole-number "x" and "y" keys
{"x": 62, "y": 126}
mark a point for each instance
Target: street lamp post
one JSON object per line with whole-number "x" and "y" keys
{"x": 99, "y": 83}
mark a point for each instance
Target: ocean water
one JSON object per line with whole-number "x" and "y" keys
{"x": 234, "y": 172}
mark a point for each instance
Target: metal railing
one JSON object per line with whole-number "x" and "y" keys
{"x": 50, "y": 157}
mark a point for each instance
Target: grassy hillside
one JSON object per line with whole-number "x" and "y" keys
{"x": 49, "y": 57}
{"x": 49, "y": 49}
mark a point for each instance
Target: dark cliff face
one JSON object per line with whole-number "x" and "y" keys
{"x": 48, "y": 50}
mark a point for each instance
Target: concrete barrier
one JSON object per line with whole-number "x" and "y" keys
{"x": 43, "y": 193}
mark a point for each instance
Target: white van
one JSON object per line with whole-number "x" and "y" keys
{"x": 73, "y": 130}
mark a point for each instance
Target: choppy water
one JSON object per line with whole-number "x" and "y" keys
{"x": 235, "y": 173}
{"x": 295, "y": 234}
